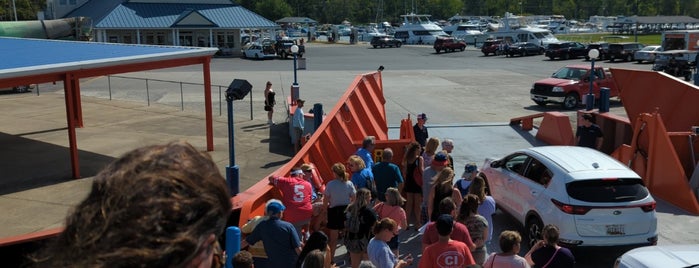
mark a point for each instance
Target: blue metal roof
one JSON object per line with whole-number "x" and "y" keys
{"x": 35, "y": 56}
{"x": 117, "y": 14}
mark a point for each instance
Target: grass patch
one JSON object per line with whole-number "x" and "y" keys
{"x": 648, "y": 39}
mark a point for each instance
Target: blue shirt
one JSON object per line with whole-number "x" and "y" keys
{"x": 298, "y": 120}
{"x": 366, "y": 156}
{"x": 359, "y": 178}
{"x": 280, "y": 240}
{"x": 386, "y": 175}
{"x": 380, "y": 254}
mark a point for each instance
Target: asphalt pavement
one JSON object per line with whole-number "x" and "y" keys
{"x": 455, "y": 89}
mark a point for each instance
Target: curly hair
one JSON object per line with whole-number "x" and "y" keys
{"x": 153, "y": 207}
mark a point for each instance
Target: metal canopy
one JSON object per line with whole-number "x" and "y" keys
{"x": 33, "y": 61}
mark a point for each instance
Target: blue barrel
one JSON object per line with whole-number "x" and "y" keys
{"x": 604, "y": 100}
{"x": 317, "y": 115}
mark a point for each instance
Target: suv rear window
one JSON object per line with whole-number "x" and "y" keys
{"x": 607, "y": 190}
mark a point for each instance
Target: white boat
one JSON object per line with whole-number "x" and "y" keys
{"x": 534, "y": 35}
{"x": 418, "y": 29}
{"x": 466, "y": 31}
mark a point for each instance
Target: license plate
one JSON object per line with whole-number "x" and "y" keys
{"x": 615, "y": 229}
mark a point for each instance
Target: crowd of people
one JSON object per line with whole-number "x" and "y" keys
{"x": 368, "y": 204}
{"x": 167, "y": 205}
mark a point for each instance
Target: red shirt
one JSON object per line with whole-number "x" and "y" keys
{"x": 460, "y": 233}
{"x": 296, "y": 196}
{"x": 452, "y": 254}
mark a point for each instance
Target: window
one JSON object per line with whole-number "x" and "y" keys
{"x": 607, "y": 190}
{"x": 537, "y": 172}
{"x": 516, "y": 163}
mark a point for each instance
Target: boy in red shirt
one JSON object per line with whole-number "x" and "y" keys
{"x": 446, "y": 253}
{"x": 296, "y": 195}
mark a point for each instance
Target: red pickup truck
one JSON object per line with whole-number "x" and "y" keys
{"x": 568, "y": 85}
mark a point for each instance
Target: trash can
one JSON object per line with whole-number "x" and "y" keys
{"x": 604, "y": 100}
{"x": 301, "y": 63}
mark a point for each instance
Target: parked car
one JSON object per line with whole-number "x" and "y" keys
{"x": 283, "y": 48}
{"x": 385, "y": 41}
{"x": 448, "y": 43}
{"x": 255, "y": 50}
{"x": 565, "y": 50}
{"x": 19, "y": 89}
{"x": 623, "y": 51}
{"x": 602, "y": 47}
{"x": 660, "y": 256}
{"x": 524, "y": 49}
{"x": 591, "y": 197}
{"x": 491, "y": 46}
{"x": 647, "y": 54}
{"x": 569, "y": 84}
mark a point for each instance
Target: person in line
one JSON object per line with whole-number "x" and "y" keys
{"x": 470, "y": 173}
{"x": 589, "y": 134}
{"x": 298, "y": 123}
{"x": 442, "y": 187}
{"x": 448, "y": 146}
{"x": 486, "y": 207}
{"x": 140, "y": 210}
{"x": 457, "y": 253}
{"x": 318, "y": 218}
{"x": 547, "y": 252}
{"x": 386, "y": 174}
{"x": 314, "y": 259}
{"x": 296, "y": 194}
{"x": 317, "y": 241}
{"x": 361, "y": 176}
{"x": 242, "y": 259}
{"x": 412, "y": 167}
{"x": 510, "y": 243}
{"x": 339, "y": 192}
{"x": 379, "y": 251}
{"x": 269, "y": 102}
{"x": 477, "y": 226}
{"x": 436, "y": 165}
{"x": 281, "y": 242}
{"x": 420, "y": 130}
{"x": 430, "y": 149}
{"x": 460, "y": 232}
{"x": 392, "y": 209}
{"x": 368, "y": 145}
{"x": 361, "y": 218}
{"x": 259, "y": 256}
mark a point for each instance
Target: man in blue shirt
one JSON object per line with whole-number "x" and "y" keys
{"x": 365, "y": 151}
{"x": 298, "y": 122}
{"x": 386, "y": 174}
{"x": 282, "y": 244}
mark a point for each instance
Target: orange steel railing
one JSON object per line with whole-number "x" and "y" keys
{"x": 359, "y": 112}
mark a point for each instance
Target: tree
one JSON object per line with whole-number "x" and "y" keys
{"x": 273, "y": 9}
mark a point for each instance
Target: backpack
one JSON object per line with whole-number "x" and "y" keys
{"x": 353, "y": 222}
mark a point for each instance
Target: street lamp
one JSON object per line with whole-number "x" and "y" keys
{"x": 236, "y": 91}
{"x": 590, "y": 98}
{"x": 295, "y": 87}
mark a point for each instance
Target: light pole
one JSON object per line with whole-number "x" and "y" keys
{"x": 295, "y": 86}
{"x": 236, "y": 91}
{"x": 590, "y": 98}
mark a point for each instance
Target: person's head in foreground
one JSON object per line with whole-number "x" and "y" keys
{"x": 156, "y": 206}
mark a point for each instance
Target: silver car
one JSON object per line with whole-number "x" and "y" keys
{"x": 647, "y": 54}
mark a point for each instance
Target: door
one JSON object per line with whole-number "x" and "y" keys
{"x": 512, "y": 171}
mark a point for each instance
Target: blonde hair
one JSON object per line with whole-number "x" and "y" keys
{"x": 478, "y": 188}
{"x": 340, "y": 171}
{"x": 357, "y": 162}
{"x": 444, "y": 176}
{"x": 359, "y": 202}
{"x": 393, "y": 197}
{"x": 431, "y": 146}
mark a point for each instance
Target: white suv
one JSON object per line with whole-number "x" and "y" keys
{"x": 593, "y": 199}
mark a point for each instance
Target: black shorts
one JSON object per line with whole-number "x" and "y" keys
{"x": 336, "y": 218}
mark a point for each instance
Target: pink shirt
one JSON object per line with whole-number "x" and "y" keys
{"x": 296, "y": 196}
{"x": 395, "y": 213}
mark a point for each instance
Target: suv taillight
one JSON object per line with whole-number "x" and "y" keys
{"x": 648, "y": 207}
{"x": 570, "y": 209}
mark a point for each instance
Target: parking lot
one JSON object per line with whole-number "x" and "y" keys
{"x": 457, "y": 88}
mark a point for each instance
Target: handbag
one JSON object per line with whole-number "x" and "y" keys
{"x": 417, "y": 175}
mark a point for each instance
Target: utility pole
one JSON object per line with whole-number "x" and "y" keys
{"x": 14, "y": 9}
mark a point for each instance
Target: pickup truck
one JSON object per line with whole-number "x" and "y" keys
{"x": 283, "y": 48}
{"x": 568, "y": 85}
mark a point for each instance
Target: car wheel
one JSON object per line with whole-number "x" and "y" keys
{"x": 639, "y": 61}
{"x": 399, "y": 44}
{"x": 463, "y": 48}
{"x": 552, "y": 57}
{"x": 437, "y": 50}
{"x": 375, "y": 46}
{"x": 383, "y": 45}
{"x": 540, "y": 103}
{"x": 522, "y": 54}
{"x": 257, "y": 56}
{"x": 533, "y": 228}
{"x": 571, "y": 101}
{"x": 283, "y": 55}
{"x": 629, "y": 57}
{"x": 541, "y": 51}
{"x": 566, "y": 56}
{"x": 587, "y": 58}
{"x": 687, "y": 77}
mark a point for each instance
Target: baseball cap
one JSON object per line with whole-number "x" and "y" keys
{"x": 306, "y": 167}
{"x": 422, "y": 116}
{"x": 296, "y": 172}
{"x": 470, "y": 167}
{"x": 275, "y": 206}
{"x": 440, "y": 159}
